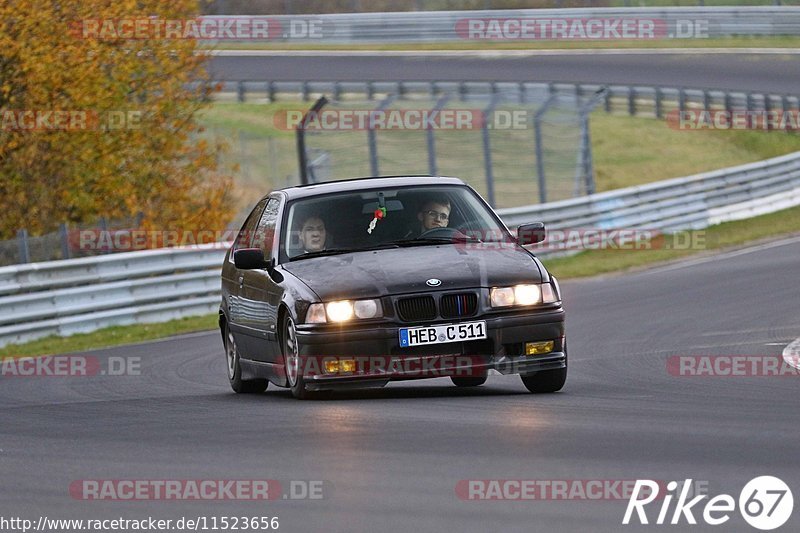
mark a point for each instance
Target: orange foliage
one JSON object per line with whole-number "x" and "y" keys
{"x": 124, "y": 139}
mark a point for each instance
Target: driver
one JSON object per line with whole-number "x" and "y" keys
{"x": 435, "y": 213}
{"x": 313, "y": 234}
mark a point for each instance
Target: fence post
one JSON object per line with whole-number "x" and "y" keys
{"x": 462, "y": 91}
{"x": 271, "y": 91}
{"x": 306, "y": 91}
{"x": 608, "y": 102}
{"x": 337, "y": 91}
{"x": 240, "y": 91}
{"x": 24, "y": 249}
{"x": 300, "y": 133}
{"x": 728, "y": 103}
{"x": 64, "y": 234}
{"x": 487, "y": 150}
{"x": 681, "y": 99}
{"x": 370, "y": 90}
{"x": 586, "y": 167}
{"x": 430, "y": 135}
{"x": 706, "y": 100}
{"x": 537, "y": 132}
{"x": 372, "y": 140}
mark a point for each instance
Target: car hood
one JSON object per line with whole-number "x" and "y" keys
{"x": 393, "y": 271}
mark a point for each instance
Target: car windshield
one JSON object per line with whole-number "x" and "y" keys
{"x": 387, "y": 218}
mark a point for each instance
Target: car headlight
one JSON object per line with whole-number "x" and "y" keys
{"x": 343, "y": 311}
{"x": 522, "y": 295}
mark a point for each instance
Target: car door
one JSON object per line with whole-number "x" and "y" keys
{"x": 260, "y": 292}
{"x": 233, "y": 280}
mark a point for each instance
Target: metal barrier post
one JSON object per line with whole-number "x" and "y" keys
{"x": 24, "y": 249}
{"x": 659, "y": 107}
{"x": 631, "y": 101}
{"x": 64, "y": 234}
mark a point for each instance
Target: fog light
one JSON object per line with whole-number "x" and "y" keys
{"x": 538, "y": 348}
{"x": 343, "y": 365}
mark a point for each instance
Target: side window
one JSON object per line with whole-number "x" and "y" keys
{"x": 265, "y": 231}
{"x": 245, "y": 236}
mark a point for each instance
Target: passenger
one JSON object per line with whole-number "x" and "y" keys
{"x": 313, "y": 235}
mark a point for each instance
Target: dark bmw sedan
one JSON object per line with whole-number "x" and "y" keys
{"x": 357, "y": 283}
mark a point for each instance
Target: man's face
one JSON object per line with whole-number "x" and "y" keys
{"x": 434, "y": 215}
{"x": 312, "y": 235}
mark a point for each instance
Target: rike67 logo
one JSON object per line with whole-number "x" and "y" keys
{"x": 765, "y": 503}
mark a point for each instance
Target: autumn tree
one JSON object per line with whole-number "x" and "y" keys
{"x": 95, "y": 123}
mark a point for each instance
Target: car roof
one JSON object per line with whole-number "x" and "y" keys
{"x": 360, "y": 184}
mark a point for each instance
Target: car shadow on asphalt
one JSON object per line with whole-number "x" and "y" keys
{"x": 399, "y": 391}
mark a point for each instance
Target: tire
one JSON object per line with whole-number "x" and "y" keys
{"x": 291, "y": 361}
{"x": 547, "y": 381}
{"x": 468, "y": 382}
{"x": 239, "y": 385}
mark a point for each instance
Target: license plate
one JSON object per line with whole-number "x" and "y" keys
{"x": 466, "y": 331}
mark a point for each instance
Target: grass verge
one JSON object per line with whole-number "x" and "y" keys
{"x": 664, "y": 249}
{"x": 108, "y": 337}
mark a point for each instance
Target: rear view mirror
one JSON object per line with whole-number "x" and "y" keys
{"x": 531, "y": 233}
{"x": 249, "y": 259}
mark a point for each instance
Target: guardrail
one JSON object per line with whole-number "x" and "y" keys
{"x": 693, "y": 202}
{"x": 639, "y": 100}
{"x": 80, "y": 295}
{"x": 448, "y": 26}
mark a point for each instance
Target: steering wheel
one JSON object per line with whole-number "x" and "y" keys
{"x": 441, "y": 233}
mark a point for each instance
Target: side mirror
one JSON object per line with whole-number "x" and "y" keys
{"x": 531, "y": 233}
{"x": 249, "y": 259}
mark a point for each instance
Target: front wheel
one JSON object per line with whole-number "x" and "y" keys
{"x": 547, "y": 380}
{"x": 235, "y": 369}
{"x": 292, "y": 363}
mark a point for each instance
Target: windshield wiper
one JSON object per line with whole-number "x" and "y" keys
{"x": 339, "y": 251}
{"x": 435, "y": 240}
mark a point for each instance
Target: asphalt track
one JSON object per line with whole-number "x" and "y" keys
{"x": 393, "y": 456}
{"x": 774, "y": 73}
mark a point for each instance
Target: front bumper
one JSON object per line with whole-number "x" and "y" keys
{"x": 379, "y": 358}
